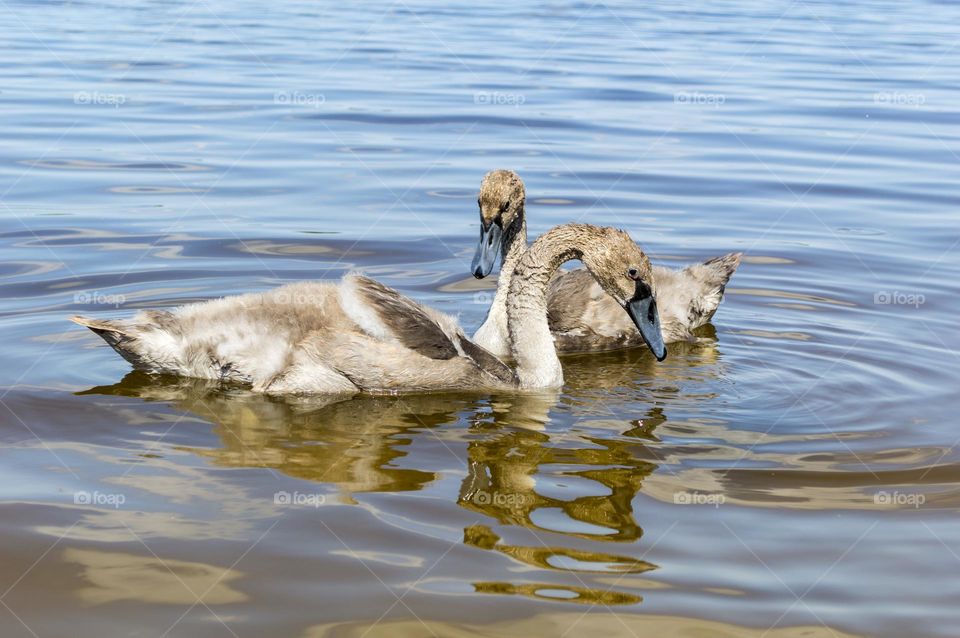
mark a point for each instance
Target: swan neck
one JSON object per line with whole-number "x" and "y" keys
{"x": 493, "y": 333}
{"x": 531, "y": 343}
{"x": 514, "y": 245}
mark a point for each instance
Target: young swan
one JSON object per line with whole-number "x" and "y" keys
{"x": 581, "y": 315}
{"x": 360, "y": 336}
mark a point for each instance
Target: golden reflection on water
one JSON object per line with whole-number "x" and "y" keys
{"x": 546, "y": 557}
{"x": 520, "y": 472}
{"x": 353, "y": 443}
{"x": 501, "y": 483}
{"x": 349, "y": 443}
{"x": 565, "y": 469}
{"x": 512, "y": 457}
{"x": 564, "y": 593}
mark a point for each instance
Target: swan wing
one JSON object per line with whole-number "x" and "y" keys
{"x": 384, "y": 313}
{"x": 486, "y": 361}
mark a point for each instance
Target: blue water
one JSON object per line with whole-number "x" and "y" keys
{"x": 794, "y": 468}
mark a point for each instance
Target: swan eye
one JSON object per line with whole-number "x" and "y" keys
{"x": 633, "y": 273}
{"x": 504, "y": 206}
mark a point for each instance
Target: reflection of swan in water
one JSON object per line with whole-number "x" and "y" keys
{"x": 547, "y": 557}
{"x": 689, "y": 362}
{"x": 526, "y": 468}
{"x": 522, "y": 477}
{"x": 349, "y": 442}
{"x": 353, "y": 442}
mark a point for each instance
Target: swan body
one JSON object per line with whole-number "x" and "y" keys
{"x": 361, "y": 336}
{"x": 581, "y": 316}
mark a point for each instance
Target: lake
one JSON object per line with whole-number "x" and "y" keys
{"x": 793, "y": 472}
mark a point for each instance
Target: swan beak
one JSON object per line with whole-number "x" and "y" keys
{"x": 643, "y": 310}
{"x": 487, "y": 250}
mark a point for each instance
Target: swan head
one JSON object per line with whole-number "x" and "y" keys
{"x": 501, "y": 201}
{"x": 624, "y": 272}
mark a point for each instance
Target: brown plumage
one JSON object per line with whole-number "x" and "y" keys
{"x": 361, "y": 336}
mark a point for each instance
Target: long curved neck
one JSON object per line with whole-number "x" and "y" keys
{"x": 530, "y": 340}
{"x": 514, "y": 245}
{"x": 493, "y": 334}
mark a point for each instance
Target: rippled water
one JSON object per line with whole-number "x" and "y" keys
{"x": 795, "y": 468}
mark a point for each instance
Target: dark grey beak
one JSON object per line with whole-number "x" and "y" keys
{"x": 487, "y": 250}
{"x": 643, "y": 310}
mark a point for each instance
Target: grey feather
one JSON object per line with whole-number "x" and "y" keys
{"x": 407, "y": 320}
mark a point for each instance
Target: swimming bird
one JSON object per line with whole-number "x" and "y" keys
{"x": 361, "y": 336}
{"x": 582, "y": 317}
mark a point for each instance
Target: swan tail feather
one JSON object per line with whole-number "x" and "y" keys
{"x": 713, "y": 276}
{"x": 724, "y": 267}
{"x": 130, "y": 338}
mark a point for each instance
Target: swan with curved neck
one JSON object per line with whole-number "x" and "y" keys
{"x": 361, "y": 336}
{"x": 581, "y": 315}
